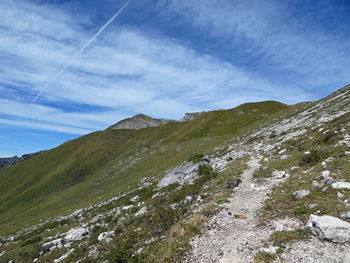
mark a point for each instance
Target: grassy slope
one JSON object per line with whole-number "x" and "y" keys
{"x": 99, "y": 165}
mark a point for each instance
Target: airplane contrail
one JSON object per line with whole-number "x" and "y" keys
{"x": 81, "y": 50}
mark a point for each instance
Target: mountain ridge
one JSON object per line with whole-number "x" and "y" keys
{"x": 139, "y": 121}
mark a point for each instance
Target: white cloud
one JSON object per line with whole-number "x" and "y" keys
{"x": 286, "y": 41}
{"x": 125, "y": 71}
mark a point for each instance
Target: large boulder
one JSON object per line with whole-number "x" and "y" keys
{"x": 329, "y": 228}
{"x": 185, "y": 173}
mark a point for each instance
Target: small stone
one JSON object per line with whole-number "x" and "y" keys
{"x": 270, "y": 250}
{"x": 134, "y": 199}
{"x": 315, "y": 184}
{"x": 294, "y": 168}
{"x": 279, "y": 227}
{"x": 105, "y": 236}
{"x": 142, "y": 211}
{"x": 346, "y": 215}
{"x": 326, "y": 178}
{"x": 127, "y": 207}
{"x": 280, "y": 174}
{"x": 282, "y": 151}
{"x": 301, "y": 193}
{"x": 340, "y": 195}
{"x": 188, "y": 199}
{"x": 284, "y": 156}
{"x": 324, "y": 189}
{"x": 311, "y": 206}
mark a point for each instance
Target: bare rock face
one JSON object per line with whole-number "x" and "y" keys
{"x": 137, "y": 122}
{"x": 190, "y": 116}
{"x": 329, "y": 228}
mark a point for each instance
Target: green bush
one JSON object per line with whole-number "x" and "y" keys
{"x": 205, "y": 169}
{"x": 196, "y": 158}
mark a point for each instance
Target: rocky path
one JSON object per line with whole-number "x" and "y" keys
{"x": 234, "y": 235}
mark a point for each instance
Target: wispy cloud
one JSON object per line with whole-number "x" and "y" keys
{"x": 288, "y": 42}
{"x": 129, "y": 70}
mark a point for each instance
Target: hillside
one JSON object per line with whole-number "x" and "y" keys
{"x": 100, "y": 165}
{"x": 251, "y": 184}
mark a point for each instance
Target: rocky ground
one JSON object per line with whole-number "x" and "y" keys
{"x": 236, "y": 235}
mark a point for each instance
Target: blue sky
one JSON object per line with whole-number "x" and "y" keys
{"x": 160, "y": 58}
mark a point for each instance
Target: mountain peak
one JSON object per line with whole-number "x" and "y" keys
{"x": 137, "y": 122}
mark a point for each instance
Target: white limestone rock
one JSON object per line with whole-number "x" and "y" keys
{"x": 185, "y": 173}
{"x": 284, "y": 156}
{"x": 326, "y": 178}
{"x": 329, "y": 228}
{"x": 340, "y": 195}
{"x": 127, "y": 207}
{"x": 64, "y": 256}
{"x": 280, "y": 174}
{"x": 52, "y": 243}
{"x": 76, "y": 234}
{"x": 270, "y": 250}
{"x": 341, "y": 185}
{"x": 142, "y": 211}
{"x": 135, "y": 198}
{"x": 301, "y": 194}
{"x": 105, "y": 236}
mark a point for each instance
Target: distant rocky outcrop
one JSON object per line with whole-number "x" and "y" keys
{"x": 190, "y": 116}
{"x": 137, "y": 122}
{"x": 6, "y": 162}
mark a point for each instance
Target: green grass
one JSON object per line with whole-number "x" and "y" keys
{"x": 282, "y": 238}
